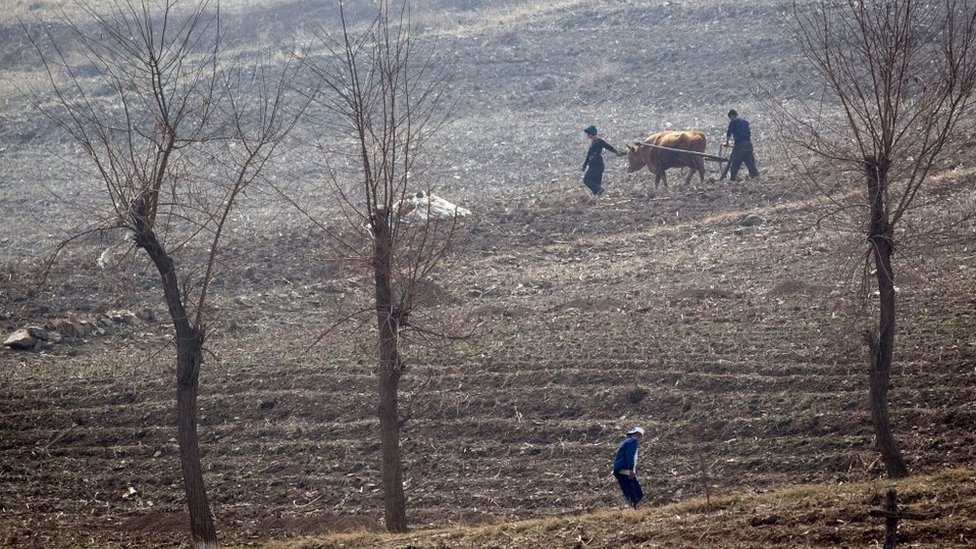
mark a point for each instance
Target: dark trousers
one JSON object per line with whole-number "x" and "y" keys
{"x": 742, "y": 153}
{"x": 631, "y": 488}
{"x": 593, "y": 178}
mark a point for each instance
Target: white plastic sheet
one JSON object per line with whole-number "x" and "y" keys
{"x": 425, "y": 207}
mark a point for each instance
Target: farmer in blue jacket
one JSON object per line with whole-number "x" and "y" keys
{"x": 625, "y": 466}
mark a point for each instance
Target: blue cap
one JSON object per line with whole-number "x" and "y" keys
{"x": 590, "y": 130}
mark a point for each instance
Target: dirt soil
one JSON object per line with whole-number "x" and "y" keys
{"x": 736, "y": 344}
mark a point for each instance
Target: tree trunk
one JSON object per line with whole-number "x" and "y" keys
{"x": 189, "y": 357}
{"x": 880, "y": 237}
{"x": 388, "y": 374}
{"x": 891, "y": 523}
{"x": 189, "y": 350}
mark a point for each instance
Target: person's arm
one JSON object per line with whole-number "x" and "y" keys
{"x": 610, "y": 148}
{"x": 631, "y": 456}
{"x": 728, "y": 133}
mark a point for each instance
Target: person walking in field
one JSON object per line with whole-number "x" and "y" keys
{"x": 625, "y": 467}
{"x": 593, "y": 164}
{"x": 741, "y": 136}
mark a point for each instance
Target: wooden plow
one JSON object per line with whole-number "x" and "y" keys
{"x": 706, "y": 156}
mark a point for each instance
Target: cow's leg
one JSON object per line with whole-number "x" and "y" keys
{"x": 701, "y": 170}
{"x": 658, "y": 170}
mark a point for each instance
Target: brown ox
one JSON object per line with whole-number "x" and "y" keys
{"x": 659, "y": 160}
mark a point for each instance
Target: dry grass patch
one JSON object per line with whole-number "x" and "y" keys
{"x": 809, "y": 516}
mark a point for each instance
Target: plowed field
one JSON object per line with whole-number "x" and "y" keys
{"x": 737, "y": 347}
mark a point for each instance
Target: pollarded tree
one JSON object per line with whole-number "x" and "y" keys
{"x": 383, "y": 98}
{"x": 903, "y": 73}
{"x": 177, "y": 129}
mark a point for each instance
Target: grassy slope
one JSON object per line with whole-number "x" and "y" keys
{"x": 811, "y": 516}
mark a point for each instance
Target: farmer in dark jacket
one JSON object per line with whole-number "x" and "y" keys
{"x": 741, "y": 136}
{"x": 593, "y": 165}
{"x": 625, "y": 467}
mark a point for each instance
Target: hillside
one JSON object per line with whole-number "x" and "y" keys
{"x": 737, "y": 347}
{"x": 811, "y": 516}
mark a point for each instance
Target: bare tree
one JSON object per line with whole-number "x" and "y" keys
{"x": 384, "y": 96}
{"x": 176, "y": 129}
{"x": 902, "y": 73}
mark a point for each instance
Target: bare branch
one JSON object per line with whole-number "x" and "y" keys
{"x": 175, "y": 143}
{"x": 903, "y": 74}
